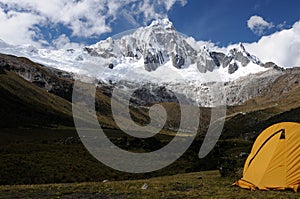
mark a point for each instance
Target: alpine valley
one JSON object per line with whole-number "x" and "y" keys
{"x": 160, "y": 65}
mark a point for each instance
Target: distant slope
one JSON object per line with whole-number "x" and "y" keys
{"x": 280, "y": 103}
{"x": 33, "y": 95}
{"x": 44, "y": 99}
{"x": 36, "y": 96}
{"x": 24, "y": 104}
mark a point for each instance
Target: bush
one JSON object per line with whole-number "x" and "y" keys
{"x": 228, "y": 167}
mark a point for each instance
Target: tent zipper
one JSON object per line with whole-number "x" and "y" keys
{"x": 282, "y": 136}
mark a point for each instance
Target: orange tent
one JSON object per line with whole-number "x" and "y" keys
{"x": 274, "y": 161}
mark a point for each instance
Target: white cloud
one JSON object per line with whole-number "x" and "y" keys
{"x": 17, "y": 27}
{"x": 198, "y": 45}
{"x": 19, "y": 19}
{"x": 130, "y": 18}
{"x": 258, "y": 25}
{"x": 282, "y": 47}
{"x": 283, "y": 25}
{"x": 63, "y": 42}
{"x": 169, "y": 3}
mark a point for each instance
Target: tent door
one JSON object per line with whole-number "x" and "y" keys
{"x": 282, "y": 136}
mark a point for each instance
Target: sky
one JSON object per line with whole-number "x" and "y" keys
{"x": 263, "y": 25}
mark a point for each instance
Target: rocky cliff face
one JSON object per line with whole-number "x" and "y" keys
{"x": 159, "y": 43}
{"x": 272, "y": 83}
{"x": 53, "y": 80}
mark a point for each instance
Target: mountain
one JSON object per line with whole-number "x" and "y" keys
{"x": 162, "y": 63}
{"x": 24, "y": 102}
{"x": 158, "y": 65}
{"x": 156, "y": 47}
{"x": 159, "y": 47}
{"x": 277, "y": 102}
{"x": 33, "y": 95}
{"x": 160, "y": 43}
{"x": 36, "y": 95}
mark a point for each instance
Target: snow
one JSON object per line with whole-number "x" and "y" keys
{"x": 128, "y": 70}
{"x": 132, "y": 69}
{"x": 165, "y": 23}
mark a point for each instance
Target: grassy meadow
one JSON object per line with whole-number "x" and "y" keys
{"x": 207, "y": 184}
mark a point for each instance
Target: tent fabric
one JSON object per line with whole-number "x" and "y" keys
{"x": 274, "y": 161}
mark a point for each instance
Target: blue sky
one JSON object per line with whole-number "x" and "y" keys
{"x": 60, "y": 22}
{"x": 269, "y": 29}
{"x": 224, "y": 22}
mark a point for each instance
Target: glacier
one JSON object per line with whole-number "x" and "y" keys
{"x": 160, "y": 56}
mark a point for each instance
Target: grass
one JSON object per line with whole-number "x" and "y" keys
{"x": 23, "y": 104}
{"x": 206, "y": 184}
{"x": 39, "y": 156}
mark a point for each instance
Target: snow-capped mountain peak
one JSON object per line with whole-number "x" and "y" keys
{"x": 164, "y": 23}
{"x": 159, "y": 44}
{"x": 241, "y": 54}
{"x": 149, "y": 53}
{"x": 242, "y": 47}
{"x": 156, "y": 56}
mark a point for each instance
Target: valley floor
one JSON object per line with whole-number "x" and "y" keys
{"x": 206, "y": 184}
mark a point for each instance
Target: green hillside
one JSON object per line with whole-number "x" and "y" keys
{"x": 24, "y": 104}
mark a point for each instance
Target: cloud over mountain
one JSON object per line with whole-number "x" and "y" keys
{"x": 24, "y": 20}
{"x": 258, "y": 25}
{"x": 56, "y": 23}
{"x": 281, "y": 47}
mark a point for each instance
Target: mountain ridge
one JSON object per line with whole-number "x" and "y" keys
{"x": 148, "y": 48}
{"x": 159, "y": 63}
{"x": 250, "y": 94}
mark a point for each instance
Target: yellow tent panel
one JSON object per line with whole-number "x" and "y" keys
{"x": 274, "y": 161}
